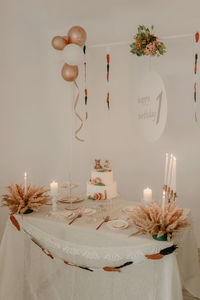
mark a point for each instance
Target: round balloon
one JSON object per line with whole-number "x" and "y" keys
{"x": 73, "y": 54}
{"x": 59, "y": 42}
{"x": 77, "y": 35}
{"x": 69, "y": 73}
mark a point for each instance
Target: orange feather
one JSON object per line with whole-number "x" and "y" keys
{"x": 154, "y": 256}
{"x": 15, "y": 222}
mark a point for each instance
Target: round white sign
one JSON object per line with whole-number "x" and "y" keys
{"x": 152, "y": 107}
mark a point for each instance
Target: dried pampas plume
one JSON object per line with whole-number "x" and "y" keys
{"x": 19, "y": 202}
{"x": 153, "y": 221}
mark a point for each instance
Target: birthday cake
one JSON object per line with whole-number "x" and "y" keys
{"x": 101, "y": 185}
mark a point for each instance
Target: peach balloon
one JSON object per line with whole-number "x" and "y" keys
{"x": 59, "y": 42}
{"x": 77, "y": 35}
{"x": 69, "y": 73}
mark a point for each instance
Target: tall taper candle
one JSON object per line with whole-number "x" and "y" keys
{"x": 174, "y": 176}
{"x": 54, "y": 190}
{"x": 170, "y": 172}
{"x": 25, "y": 182}
{"x": 166, "y": 168}
{"x": 163, "y": 201}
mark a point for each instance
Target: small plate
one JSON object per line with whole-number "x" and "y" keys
{"x": 72, "y": 200}
{"x": 117, "y": 224}
{"x": 128, "y": 209}
{"x": 89, "y": 211}
{"x": 68, "y": 214}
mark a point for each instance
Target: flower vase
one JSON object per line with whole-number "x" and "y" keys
{"x": 160, "y": 238}
{"x": 28, "y": 211}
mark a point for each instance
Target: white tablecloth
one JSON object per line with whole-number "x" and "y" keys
{"x": 27, "y": 273}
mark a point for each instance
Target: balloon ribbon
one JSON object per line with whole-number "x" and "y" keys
{"x": 78, "y": 116}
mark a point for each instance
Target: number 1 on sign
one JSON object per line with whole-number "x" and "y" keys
{"x": 159, "y": 99}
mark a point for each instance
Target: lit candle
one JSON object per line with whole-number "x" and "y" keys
{"x": 163, "y": 201}
{"x": 174, "y": 176}
{"x": 25, "y": 182}
{"x": 166, "y": 168}
{"x": 147, "y": 195}
{"x": 170, "y": 172}
{"x": 54, "y": 188}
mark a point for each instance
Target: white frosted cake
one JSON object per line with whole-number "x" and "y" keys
{"x": 101, "y": 185}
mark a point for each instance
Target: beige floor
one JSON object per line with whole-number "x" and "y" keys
{"x": 186, "y": 295}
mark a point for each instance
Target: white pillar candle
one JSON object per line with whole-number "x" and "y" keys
{"x": 170, "y": 171}
{"x": 25, "y": 182}
{"x": 147, "y": 195}
{"x": 54, "y": 188}
{"x": 163, "y": 201}
{"x": 174, "y": 175}
{"x": 166, "y": 168}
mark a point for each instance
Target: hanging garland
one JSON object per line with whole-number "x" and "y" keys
{"x": 147, "y": 43}
{"x": 85, "y": 81}
{"x": 108, "y": 77}
{"x": 195, "y": 74}
{"x": 142, "y": 257}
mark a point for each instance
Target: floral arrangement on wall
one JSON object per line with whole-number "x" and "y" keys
{"x": 146, "y": 43}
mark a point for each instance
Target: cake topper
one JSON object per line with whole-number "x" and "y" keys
{"x": 106, "y": 164}
{"x": 98, "y": 164}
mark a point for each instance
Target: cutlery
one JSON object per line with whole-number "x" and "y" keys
{"x": 106, "y": 219}
{"x": 77, "y": 216}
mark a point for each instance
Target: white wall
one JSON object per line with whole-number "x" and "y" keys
{"x": 35, "y": 103}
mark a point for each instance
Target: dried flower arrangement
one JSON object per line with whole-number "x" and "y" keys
{"x": 153, "y": 221}
{"x": 21, "y": 202}
{"x": 147, "y": 43}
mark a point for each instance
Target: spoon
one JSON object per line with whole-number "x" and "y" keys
{"x": 78, "y": 216}
{"x": 106, "y": 219}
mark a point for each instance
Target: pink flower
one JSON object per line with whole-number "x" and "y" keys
{"x": 150, "y": 49}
